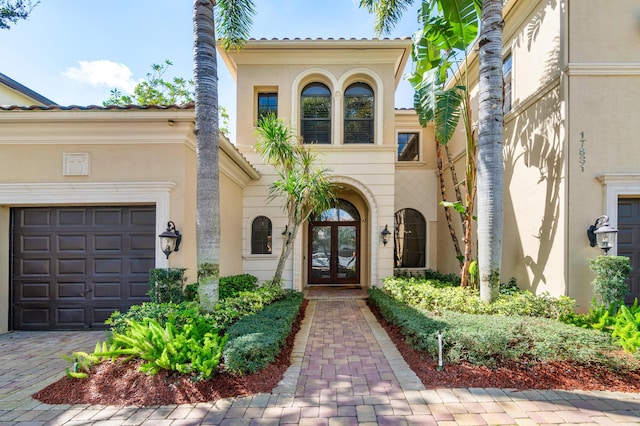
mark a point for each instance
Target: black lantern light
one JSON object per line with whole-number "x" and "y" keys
{"x": 602, "y": 234}
{"x": 385, "y": 235}
{"x": 170, "y": 239}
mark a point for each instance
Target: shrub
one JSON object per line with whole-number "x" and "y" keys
{"x": 166, "y": 285}
{"x": 178, "y": 313}
{"x": 244, "y": 303}
{"x": 487, "y": 339}
{"x": 225, "y": 313}
{"x": 255, "y": 341}
{"x": 610, "y": 284}
{"x": 437, "y": 296}
{"x": 626, "y": 329}
{"x": 193, "y": 348}
{"x": 234, "y": 284}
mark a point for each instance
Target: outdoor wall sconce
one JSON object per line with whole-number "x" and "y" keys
{"x": 286, "y": 232}
{"x": 170, "y": 239}
{"x": 385, "y": 235}
{"x": 602, "y": 234}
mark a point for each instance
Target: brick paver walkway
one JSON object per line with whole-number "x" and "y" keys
{"x": 345, "y": 371}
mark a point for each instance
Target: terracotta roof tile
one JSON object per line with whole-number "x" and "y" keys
{"x": 186, "y": 106}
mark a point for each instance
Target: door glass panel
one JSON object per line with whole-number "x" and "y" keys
{"x": 321, "y": 252}
{"x": 347, "y": 256}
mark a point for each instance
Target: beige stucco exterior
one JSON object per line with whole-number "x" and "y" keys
{"x": 369, "y": 174}
{"x": 569, "y": 150}
{"x": 575, "y": 83}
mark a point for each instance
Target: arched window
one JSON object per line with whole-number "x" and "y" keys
{"x": 261, "y": 235}
{"x": 315, "y": 114}
{"x": 358, "y": 113}
{"x": 410, "y": 239}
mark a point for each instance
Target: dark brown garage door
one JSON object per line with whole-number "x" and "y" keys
{"x": 629, "y": 241}
{"x": 73, "y": 266}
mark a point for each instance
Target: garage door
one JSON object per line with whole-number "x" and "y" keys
{"x": 73, "y": 266}
{"x": 629, "y": 241}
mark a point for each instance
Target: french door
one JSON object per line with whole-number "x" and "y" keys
{"x": 334, "y": 246}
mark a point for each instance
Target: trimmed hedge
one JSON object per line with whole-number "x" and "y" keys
{"x": 434, "y": 295}
{"x": 225, "y": 313}
{"x": 488, "y": 339}
{"x": 255, "y": 341}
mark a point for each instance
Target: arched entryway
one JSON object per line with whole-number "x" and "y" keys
{"x": 334, "y": 246}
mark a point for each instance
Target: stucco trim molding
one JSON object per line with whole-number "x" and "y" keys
{"x": 618, "y": 185}
{"x": 599, "y": 69}
{"x": 374, "y": 235}
{"x": 50, "y": 194}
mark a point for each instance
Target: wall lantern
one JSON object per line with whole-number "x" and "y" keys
{"x": 602, "y": 234}
{"x": 285, "y": 233}
{"x": 385, "y": 235}
{"x": 170, "y": 239}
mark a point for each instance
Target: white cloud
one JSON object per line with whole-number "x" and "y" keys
{"x": 103, "y": 73}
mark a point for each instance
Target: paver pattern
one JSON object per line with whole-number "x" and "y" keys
{"x": 345, "y": 371}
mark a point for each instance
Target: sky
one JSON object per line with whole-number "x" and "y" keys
{"x": 75, "y": 52}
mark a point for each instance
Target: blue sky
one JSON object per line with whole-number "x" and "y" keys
{"x": 76, "y": 51}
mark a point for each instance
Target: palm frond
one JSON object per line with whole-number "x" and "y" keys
{"x": 387, "y": 13}
{"x": 233, "y": 22}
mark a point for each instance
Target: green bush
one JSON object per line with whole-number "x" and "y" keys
{"x": 488, "y": 339}
{"x": 255, "y": 341}
{"x": 610, "y": 284}
{"x": 234, "y": 284}
{"x": 626, "y": 329}
{"x": 437, "y": 296}
{"x": 178, "y": 313}
{"x": 244, "y": 303}
{"x": 225, "y": 313}
{"x": 193, "y": 348}
{"x": 166, "y": 285}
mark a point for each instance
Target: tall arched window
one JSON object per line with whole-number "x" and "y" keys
{"x": 410, "y": 239}
{"x": 315, "y": 114}
{"x": 358, "y": 113}
{"x": 261, "y": 235}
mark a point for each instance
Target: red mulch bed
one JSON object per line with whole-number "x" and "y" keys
{"x": 512, "y": 375}
{"x": 121, "y": 384}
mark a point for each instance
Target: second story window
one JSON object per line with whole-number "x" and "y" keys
{"x": 506, "y": 78}
{"x": 261, "y": 235}
{"x": 267, "y": 103}
{"x": 358, "y": 114}
{"x": 408, "y": 147}
{"x": 315, "y": 114}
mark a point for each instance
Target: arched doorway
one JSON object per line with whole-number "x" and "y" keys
{"x": 334, "y": 246}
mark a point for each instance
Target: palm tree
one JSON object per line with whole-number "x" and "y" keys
{"x": 304, "y": 187}
{"x": 452, "y": 20}
{"x": 439, "y": 49}
{"x": 490, "y": 161}
{"x": 233, "y": 23}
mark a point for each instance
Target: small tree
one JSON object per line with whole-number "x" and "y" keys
{"x": 155, "y": 90}
{"x": 14, "y": 10}
{"x": 304, "y": 187}
{"x": 610, "y": 284}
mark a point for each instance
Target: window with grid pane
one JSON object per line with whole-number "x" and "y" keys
{"x": 261, "y": 235}
{"x": 506, "y": 81}
{"x": 410, "y": 238}
{"x": 408, "y": 144}
{"x": 267, "y": 103}
{"x": 358, "y": 113}
{"x": 315, "y": 114}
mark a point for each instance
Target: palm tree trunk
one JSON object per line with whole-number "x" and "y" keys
{"x": 490, "y": 161}
{"x": 207, "y": 166}
{"x": 287, "y": 246}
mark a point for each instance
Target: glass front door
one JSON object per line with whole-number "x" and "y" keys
{"x": 334, "y": 246}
